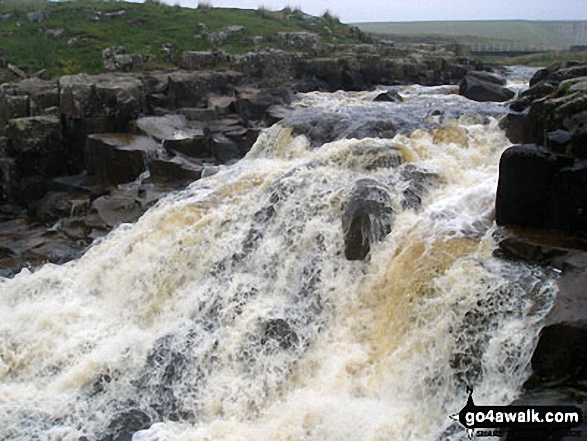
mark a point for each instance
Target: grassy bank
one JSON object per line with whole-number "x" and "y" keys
{"x": 70, "y": 36}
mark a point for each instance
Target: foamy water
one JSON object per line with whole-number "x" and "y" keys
{"x": 171, "y": 317}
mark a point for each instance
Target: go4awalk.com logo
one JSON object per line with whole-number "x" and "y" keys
{"x": 496, "y": 420}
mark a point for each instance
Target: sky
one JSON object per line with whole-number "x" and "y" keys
{"x": 350, "y": 11}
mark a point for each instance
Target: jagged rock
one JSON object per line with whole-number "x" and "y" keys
{"x": 367, "y": 218}
{"x": 389, "y": 96}
{"x": 9, "y": 177}
{"x": 118, "y": 158}
{"x": 477, "y": 90}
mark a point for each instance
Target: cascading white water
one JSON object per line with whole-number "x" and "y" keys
{"x": 229, "y": 311}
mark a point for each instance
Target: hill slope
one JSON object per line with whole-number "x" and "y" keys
{"x": 553, "y": 35}
{"x": 69, "y": 37}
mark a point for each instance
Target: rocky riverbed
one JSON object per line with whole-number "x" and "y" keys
{"x": 82, "y": 154}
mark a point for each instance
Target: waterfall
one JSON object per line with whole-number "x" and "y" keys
{"x": 229, "y": 310}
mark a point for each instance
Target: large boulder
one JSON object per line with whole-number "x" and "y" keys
{"x": 118, "y": 158}
{"x": 477, "y": 90}
{"x": 525, "y": 191}
{"x": 367, "y": 218}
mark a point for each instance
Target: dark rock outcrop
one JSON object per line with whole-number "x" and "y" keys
{"x": 475, "y": 89}
{"x": 367, "y": 218}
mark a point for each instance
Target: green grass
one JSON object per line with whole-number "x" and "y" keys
{"x": 142, "y": 29}
{"x": 531, "y": 33}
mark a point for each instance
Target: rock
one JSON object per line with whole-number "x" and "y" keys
{"x": 223, "y": 149}
{"x": 9, "y": 177}
{"x": 42, "y": 74}
{"x": 17, "y": 71}
{"x": 302, "y": 40}
{"x": 280, "y": 331}
{"x": 56, "y": 205}
{"x": 54, "y": 33}
{"x": 111, "y": 51}
{"x": 488, "y": 77}
{"x": 524, "y": 191}
{"x": 110, "y": 211}
{"x": 222, "y": 105}
{"x": 176, "y": 134}
{"x": 252, "y": 104}
{"x": 204, "y": 60}
{"x": 528, "y": 250}
{"x": 558, "y": 140}
{"x": 177, "y": 171}
{"x": 559, "y": 356}
{"x": 125, "y": 424}
{"x": 517, "y": 128}
{"x": 38, "y": 16}
{"x": 477, "y": 90}
{"x": 191, "y": 89}
{"x": 389, "y": 96}
{"x": 367, "y": 218}
{"x": 118, "y": 158}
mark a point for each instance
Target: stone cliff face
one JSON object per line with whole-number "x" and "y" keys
{"x": 542, "y": 193}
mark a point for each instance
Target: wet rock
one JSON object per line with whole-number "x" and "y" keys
{"x": 525, "y": 186}
{"x": 125, "y": 424}
{"x": 367, "y": 218}
{"x": 222, "y": 105}
{"x": 118, "y": 158}
{"x": 281, "y": 332}
{"x": 252, "y": 104}
{"x": 108, "y": 212}
{"x": 528, "y": 250}
{"x": 558, "y": 140}
{"x": 559, "y": 356}
{"x": 223, "y": 149}
{"x": 517, "y": 128}
{"x": 488, "y": 77}
{"x": 419, "y": 182}
{"x": 477, "y": 90}
{"x": 389, "y": 96}
{"x": 56, "y": 205}
{"x": 177, "y": 171}
{"x": 9, "y": 178}
{"x": 176, "y": 134}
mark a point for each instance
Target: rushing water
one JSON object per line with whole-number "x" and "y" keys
{"x": 229, "y": 311}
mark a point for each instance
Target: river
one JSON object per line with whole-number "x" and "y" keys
{"x": 229, "y": 310}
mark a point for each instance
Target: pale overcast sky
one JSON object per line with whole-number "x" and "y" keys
{"x": 407, "y": 10}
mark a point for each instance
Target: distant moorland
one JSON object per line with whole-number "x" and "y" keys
{"x": 526, "y": 34}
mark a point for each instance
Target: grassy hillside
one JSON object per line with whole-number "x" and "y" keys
{"x": 71, "y": 37}
{"x": 530, "y": 33}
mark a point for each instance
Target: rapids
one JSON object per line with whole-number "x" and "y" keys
{"x": 229, "y": 311}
